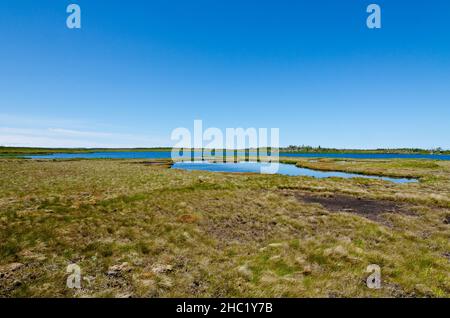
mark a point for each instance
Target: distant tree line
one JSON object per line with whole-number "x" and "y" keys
{"x": 306, "y": 149}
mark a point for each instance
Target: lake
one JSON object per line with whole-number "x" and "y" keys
{"x": 167, "y": 154}
{"x": 285, "y": 169}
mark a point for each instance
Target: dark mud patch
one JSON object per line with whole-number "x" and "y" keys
{"x": 368, "y": 208}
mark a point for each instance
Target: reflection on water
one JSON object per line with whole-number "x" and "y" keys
{"x": 285, "y": 169}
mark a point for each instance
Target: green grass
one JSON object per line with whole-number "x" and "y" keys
{"x": 206, "y": 234}
{"x": 10, "y": 151}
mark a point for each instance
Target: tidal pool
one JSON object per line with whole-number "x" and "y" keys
{"x": 285, "y": 169}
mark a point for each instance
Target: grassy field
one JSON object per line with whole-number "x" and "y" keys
{"x": 143, "y": 230}
{"x": 17, "y": 151}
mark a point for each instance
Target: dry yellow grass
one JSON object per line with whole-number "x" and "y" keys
{"x": 148, "y": 231}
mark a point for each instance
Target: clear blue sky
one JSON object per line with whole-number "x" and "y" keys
{"x": 138, "y": 69}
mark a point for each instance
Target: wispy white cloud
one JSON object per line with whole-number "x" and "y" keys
{"x": 11, "y": 120}
{"x": 26, "y": 134}
{"x": 80, "y": 133}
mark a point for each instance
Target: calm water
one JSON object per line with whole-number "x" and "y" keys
{"x": 167, "y": 154}
{"x": 286, "y": 169}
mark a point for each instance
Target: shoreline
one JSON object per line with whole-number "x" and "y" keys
{"x": 48, "y": 151}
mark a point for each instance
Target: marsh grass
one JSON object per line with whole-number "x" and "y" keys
{"x": 197, "y": 233}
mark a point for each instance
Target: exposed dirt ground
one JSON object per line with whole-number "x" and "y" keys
{"x": 370, "y": 209}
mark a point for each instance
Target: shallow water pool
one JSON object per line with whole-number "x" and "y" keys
{"x": 285, "y": 169}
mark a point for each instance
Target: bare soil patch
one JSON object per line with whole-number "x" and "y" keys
{"x": 368, "y": 208}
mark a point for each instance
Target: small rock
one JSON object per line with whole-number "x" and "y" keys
{"x": 116, "y": 270}
{"x": 13, "y": 267}
{"x": 158, "y": 269}
{"x": 307, "y": 269}
{"x": 245, "y": 271}
{"x": 340, "y": 250}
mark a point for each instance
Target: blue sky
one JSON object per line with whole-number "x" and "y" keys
{"x": 139, "y": 69}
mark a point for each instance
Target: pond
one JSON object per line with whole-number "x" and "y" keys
{"x": 285, "y": 169}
